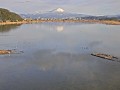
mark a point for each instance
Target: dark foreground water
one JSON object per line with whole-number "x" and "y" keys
{"x": 57, "y": 57}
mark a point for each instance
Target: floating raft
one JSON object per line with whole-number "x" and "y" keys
{"x": 3, "y": 52}
{"x": 105, "y": 56}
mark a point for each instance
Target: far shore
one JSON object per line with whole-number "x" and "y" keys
{"x": 108, "y": 22}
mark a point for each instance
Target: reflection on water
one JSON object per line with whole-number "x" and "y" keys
{"x": 60, "y": 61}
{"x": 6, "y": 28}
{"x": 59, "y": 28}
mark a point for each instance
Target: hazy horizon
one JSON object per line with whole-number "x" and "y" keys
{"x": 91, "y": 7}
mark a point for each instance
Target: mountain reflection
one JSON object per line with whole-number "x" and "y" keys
{"x": 60, "y": 28}
{"x": 7, "y": 28}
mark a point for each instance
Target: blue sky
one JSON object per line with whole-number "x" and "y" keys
{"x": 92, "y": 7}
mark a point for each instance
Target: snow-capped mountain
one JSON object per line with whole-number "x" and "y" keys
{"x": 61, "y": 13}
{"x": 56, "y": 13}
{"x": 58, "y": 10}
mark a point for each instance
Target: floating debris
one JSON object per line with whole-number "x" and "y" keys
{"x": 5, "y": 51}
{"x": 106, "y": 56}
{"x": 14, "y": 51}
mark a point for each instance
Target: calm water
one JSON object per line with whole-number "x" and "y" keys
{"x": 57, "y": 57}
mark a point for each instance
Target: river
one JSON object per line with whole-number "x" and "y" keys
{"x": 57, "y": 57}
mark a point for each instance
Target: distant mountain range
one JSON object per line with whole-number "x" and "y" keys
{"x": 56, "y": 13}
{"x": 60, "y": 13}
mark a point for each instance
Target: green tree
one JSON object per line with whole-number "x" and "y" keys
{"x": 6, "y": 15}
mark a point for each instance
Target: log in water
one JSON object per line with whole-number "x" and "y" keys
{"x": 3, "y": 52}
{"x": 106, "y": 56}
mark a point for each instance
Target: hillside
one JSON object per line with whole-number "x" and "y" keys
{"x": 6, "y": 15}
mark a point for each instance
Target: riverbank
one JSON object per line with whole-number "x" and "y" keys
{"x": 20, "y": 22}
{"x": 108, "y": 22}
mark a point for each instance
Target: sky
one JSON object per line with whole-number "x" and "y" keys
{"x": 90, "y": 7}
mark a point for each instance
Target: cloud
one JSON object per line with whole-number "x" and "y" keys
{"x": 23, "y": 1}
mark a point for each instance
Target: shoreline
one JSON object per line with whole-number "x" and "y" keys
{"x": 107, "y": 22}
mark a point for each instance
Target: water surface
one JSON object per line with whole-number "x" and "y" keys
{"x": 57, "y": 57}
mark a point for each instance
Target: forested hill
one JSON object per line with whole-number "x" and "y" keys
{"x": 6, "y": 15}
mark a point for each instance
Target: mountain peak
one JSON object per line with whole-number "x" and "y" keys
{"x": 60, "y": 10}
